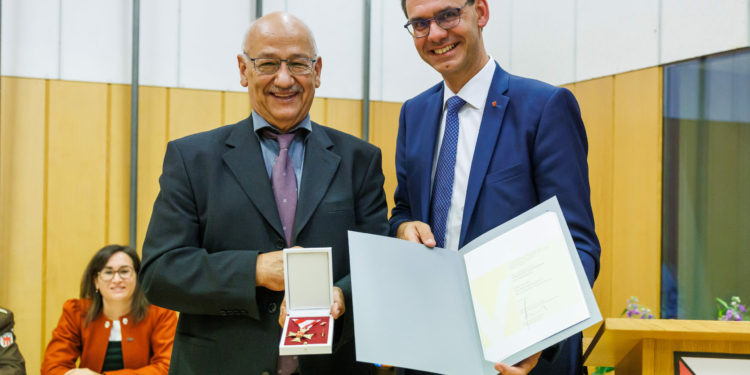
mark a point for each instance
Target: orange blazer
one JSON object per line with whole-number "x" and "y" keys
{"x": 146, "y": 346}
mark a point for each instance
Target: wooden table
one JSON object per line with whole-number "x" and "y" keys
{"x": 641, "y": 346}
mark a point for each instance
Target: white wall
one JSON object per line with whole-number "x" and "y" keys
{"x": 194, "y": 43}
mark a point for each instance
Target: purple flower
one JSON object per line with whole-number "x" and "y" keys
{"x": 737, "y": 317}
{"x": 728, "y": 316}
{"x": 742, "y": 309}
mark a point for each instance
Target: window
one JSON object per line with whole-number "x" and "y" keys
{"x": 706, "y": 185}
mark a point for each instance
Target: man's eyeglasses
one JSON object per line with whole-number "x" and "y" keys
{"x": 271, "y": 66}
{"x": 125, "y": 273}
{"x": 445, "y": 19}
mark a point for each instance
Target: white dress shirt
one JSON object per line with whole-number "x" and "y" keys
{"x": 474, "y": 93}
{"x": 116, "y": 333}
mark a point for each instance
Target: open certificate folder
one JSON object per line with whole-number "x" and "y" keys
{"x": 512, "y": 292}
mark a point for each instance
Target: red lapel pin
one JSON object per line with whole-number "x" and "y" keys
{"x": 494, "y": 104}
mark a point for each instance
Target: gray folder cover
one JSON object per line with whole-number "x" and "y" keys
{"x": 413, "y": 306}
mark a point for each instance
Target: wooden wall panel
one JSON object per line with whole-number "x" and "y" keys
{"x": 152, "y": 145}
{"x": 22, "y": 210}
{"x": 118, "y": 166}
{"x": 318, "y": 111}
{"x": 596, "y": 100}
{"x": 383, "y": 133}
{"x": 85, "y": 202}
{"x": 236, "y": 107}
{"x": 636, "y": 215}
{"x": 345, "y": 115}
{"x": 193, "y": 111}
{"x": 76, "y": 191}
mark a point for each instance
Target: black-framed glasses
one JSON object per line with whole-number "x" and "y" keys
{"x": 108, "y": 274}
{"x": 445, "y": 19}
{"x": 271, "y": 66}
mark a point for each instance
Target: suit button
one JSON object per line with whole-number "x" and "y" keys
{"x": 279, "y": 244}
{"x": 223, "y": 312}
{"x": 272, "y": 308}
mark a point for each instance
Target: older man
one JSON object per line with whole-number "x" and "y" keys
{"x": 232, "y": 198}
{"x": 484, "y": 146}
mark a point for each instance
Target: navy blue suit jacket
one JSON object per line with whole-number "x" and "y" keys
{"x": 532, "y": 146}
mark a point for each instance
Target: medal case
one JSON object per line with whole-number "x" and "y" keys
{"x": 308, "y": 287}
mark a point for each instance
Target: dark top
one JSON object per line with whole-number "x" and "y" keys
{"x": 113, "y": 359}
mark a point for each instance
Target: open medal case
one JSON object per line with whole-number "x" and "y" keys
{"x": 308, "y": 286}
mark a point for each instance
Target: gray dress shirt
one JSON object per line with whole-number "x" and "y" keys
{"x": 271, "y": 148}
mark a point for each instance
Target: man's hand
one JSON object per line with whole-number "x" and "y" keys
{"x": 269, "y": 270}
{"x": 339, "y": 306}
{"x": 282, "y": 313}
{"x": 521, "y": 368}
{"x": 416, "y": 231}
{"x": 81, "y": 371}
{"x": 337, "y": 309}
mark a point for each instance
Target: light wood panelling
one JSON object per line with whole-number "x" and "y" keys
{"x": 152, "y": 144}
{"x": 345, "y": 115}
{"x": 236, "y": 107}
{"x": 383, "y": 133}
{"x": 636, "y": 215}
{"x": 596, "y": 100}
{"x": 318, "y": 111}
{"x": 22, "y": 165}
{"x": 118, "y": 166}
{"x": 639, "y": 358}
{"x": 193, "y": 111}
{"x": 76, "y": 193}
{"x": 87, "y": 179}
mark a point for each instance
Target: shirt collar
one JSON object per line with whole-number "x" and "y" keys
{"x": 476, "y": 90}
{"x": 259, "y": 123}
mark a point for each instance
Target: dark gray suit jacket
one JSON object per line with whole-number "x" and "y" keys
{"x": 216, "y": 212}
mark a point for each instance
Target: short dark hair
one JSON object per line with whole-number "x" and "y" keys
{"x": 403, "y": 6}
{"x": 138, "y": 306}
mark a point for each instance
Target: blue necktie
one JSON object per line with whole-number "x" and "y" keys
{"x": 442, "y": 186}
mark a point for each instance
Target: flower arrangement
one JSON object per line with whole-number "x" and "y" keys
{"x": 732, "y": 311}
{"x": 634, "y": 311}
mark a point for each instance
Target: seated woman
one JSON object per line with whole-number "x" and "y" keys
{"x": 112, "y": 328}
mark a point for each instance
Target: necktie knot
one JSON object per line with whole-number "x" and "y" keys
{"x": 284, "y": 139}
{"x": 455, "y": 103}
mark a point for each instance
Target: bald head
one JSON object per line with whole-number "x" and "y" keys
{"x": 280, "y": 68}
{"x": 279, "y": 24}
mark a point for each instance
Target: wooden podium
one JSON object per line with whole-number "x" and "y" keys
{"x": 640, "y": 346}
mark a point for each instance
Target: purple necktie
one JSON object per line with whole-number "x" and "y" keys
{"x": 284, "y": 183}
{"x": 285, "y": 192}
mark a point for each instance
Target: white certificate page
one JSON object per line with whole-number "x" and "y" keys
{"x": 524, "y": 287}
